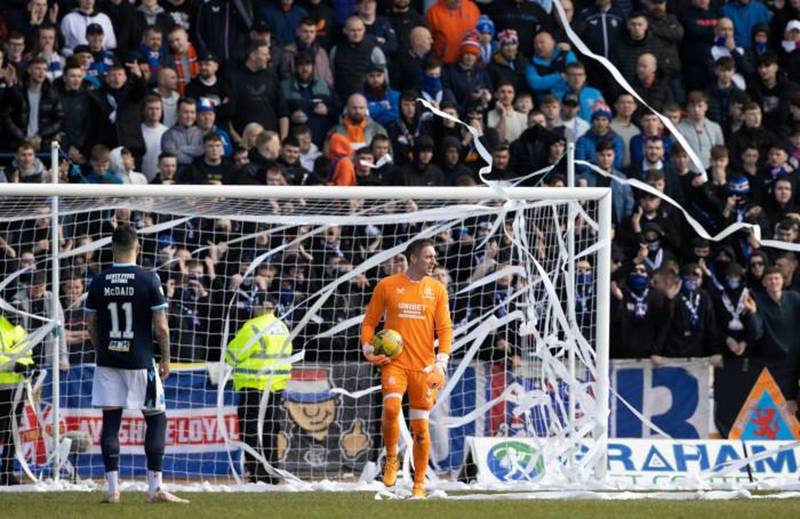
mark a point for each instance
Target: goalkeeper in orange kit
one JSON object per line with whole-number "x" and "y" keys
{"x": 415, "y": 305}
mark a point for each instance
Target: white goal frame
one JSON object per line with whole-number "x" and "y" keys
{"x": 602, "y": 196}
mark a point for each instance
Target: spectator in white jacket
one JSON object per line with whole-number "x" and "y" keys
{"x": 74, "y": 25}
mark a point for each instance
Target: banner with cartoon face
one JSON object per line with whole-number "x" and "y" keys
{"x": 325, "y": 432}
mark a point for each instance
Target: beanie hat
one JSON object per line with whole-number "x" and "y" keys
{"x": 423, "y": 143}
{"x": 451, "y": 142}
{"x": 508, "y": 37}
{"x": 601, "y": 109}
{"x": 471, "y": 44}
{"x": 485, "y": 24}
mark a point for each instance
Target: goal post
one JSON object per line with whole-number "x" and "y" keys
{"x": 515, "y": 259}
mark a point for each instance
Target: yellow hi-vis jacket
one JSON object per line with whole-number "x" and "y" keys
{"x": 11, "y": 344}
{"x": 255, "y": 359}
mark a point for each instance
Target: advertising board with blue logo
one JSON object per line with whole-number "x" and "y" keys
{"x": 675, "y": 397}
{"x": 648, "y": 463}
{"x": 505, "y": 460}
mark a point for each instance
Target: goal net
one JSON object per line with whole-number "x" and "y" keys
{"x": 523, "y": 267}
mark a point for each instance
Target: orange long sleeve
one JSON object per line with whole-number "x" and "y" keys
{"x": 373, "y": 315}
{"x": 448, "y": 27}
{"x": 444, "y": 325}
{"x": 344, "y": 174}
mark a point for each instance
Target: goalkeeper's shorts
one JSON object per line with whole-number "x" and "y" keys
{"x": 395, "y": 381}
{"x": 128, "y": 388}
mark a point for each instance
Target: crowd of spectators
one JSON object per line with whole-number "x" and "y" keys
{"x": 315, "y": 92}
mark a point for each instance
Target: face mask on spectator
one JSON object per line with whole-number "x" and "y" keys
{"x": 637, "y": 281}
{"x": 733, "y": 283}
{"x": 431, "y": 84}
{"x": 584, "y": 278}
{"x": 654, "y": 245}
{"x": 689, "y": 284}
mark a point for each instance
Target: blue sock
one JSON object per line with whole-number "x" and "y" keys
{"x": 109, "y": 438}
{"x": 154, "y": 440}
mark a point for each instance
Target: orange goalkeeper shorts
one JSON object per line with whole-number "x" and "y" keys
{"x": 396, "y": 381}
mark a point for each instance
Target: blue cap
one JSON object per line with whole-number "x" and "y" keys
{"x": 602, "y": 113}
{"x": 205, "y": 104}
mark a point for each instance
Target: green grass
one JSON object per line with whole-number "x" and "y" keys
{"x": 358, "y": 505}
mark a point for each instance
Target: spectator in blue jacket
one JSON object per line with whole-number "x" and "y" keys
{"x": 283, "y": 17}
{"x": 101, "y": 172}
{"x": 586, "y": 147}
{"x": 382, "y": 102}
{"x": 587, "y": 96}
{"x": 746, "y": 14}
{"x": 622, "y": 201}
{"x": 546, "y": 70}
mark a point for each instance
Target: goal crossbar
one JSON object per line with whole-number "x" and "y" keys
{"x": 321, "y": 192}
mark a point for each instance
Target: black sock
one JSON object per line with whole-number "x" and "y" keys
{"x": 154, "y": 440}
{"x": 109, "y": 438}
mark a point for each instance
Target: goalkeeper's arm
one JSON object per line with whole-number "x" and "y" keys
{"x": 375, "y": 310}
{"x": 444, "y": 331}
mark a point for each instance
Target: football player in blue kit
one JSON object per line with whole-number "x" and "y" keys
{"x": 127, "y": 311}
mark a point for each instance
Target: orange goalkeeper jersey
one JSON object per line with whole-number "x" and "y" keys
{"x": 415, "y": 309}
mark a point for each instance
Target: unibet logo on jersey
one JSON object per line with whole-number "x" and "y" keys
{"x": 515, "y": 461}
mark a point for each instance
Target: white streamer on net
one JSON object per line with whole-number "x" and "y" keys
{"x": 510, "y": 271}
{"x": 30, "y": 341}
{"x": 554, "y": 365}
{"x": 20, "y": 451}
{"x": 340, "y": 327}
{"x": 5, "y": 305}
{"x": 99, "y": 244}
{"x": 355, "y": 395}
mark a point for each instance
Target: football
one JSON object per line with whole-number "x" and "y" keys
{"x": 388, "y": 342}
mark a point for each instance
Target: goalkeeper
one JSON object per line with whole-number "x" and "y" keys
{"x": 415, "y": 305}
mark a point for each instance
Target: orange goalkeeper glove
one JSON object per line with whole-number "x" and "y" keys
{"x": 376, "y": 360}
{"x": 438, "y": 376}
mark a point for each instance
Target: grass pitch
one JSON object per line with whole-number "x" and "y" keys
{"x": 357, "y": 505}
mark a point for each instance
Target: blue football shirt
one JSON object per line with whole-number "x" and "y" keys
{"x": 124, "y": 298}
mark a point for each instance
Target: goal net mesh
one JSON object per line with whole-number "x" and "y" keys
{"x": 523, "y": 310}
